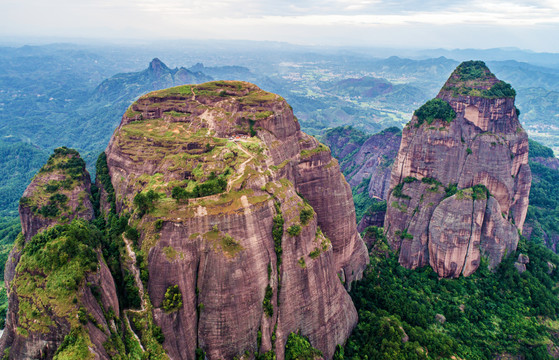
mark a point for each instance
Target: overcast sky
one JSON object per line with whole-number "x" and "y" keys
{"x": 527, "y": 24}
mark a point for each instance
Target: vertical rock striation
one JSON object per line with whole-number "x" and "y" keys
{"x": 255, "y": 223}
{"x": 366, "y": 161}
{"x": 461, "y": 180}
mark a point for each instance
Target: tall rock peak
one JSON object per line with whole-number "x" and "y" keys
{"x": 57, "y": 194}
{"x": 470, "y": 76}
{"x": 157, "y": 65}
{"x": 54, "y": 265}
{"x": 460, "y": 184}
{"x": 256, "y": 221}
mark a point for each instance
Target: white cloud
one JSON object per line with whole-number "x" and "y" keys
{"x": 425, "y": 23}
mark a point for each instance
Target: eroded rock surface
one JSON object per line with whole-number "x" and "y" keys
{"x": 365, "y": 157}
{"x": 367, "y": 163}
{"x": 431, "y": 214}
{"x": 218, "y": 246}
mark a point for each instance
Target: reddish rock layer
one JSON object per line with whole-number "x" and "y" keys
{"x": 484, "y": 145}
{"x": 276, "y": 171}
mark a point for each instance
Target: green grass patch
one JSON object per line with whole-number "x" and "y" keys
{"x": 305, "y": 154}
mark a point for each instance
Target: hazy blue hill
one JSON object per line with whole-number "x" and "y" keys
{"x": 379, "y": 92}
{"x": 127, "y": 86}
{"x": 18, "y": 164}
{"x": 539, "y": 105}
{"x": 495, "y": 54}
{"x": 366, "y": 87}
{"x": 404, "y": 97}
{"x": 521, "y": 74}
{"x": 227, "y": 72}
{"x": 42, "y": 86}
{"x": 427, "y": 71}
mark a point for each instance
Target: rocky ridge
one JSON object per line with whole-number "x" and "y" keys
{"x": 157, "y": 76}
{"x": 366, "y": 162}
{"x": 460, "y": 183}
{"x": 366, "y": 157}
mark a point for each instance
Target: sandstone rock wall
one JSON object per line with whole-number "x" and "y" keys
{"x": 484, "y": 145}
{"x": 220, "y": 249}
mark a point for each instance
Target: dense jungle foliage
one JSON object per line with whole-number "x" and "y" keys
{"x": 412, "y": 314}
{"x": 543, "y": 210}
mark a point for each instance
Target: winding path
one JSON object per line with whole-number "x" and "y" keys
{"x": 242, "y": 167}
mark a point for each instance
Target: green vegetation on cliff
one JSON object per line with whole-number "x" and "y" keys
{"x": 49, "y": 276}
{"x": 473, "y": 70}
{"x": 412, "y": 314}
{"x": 361, "y": 198}
{"x": 435, "y": 109}
{"x": 473, "y": 78}
{"x": 500, "y": 90}
{"x": 539, "y": 150}
{"x": 299, "y": 348}
{"x": 55, "y": 182}
{"x": 173, "y": 299}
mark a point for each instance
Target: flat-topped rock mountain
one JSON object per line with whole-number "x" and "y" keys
{"x": 221, "y": 229}
{"x": 251, "y": 211}
{"x": 461, "y": 180}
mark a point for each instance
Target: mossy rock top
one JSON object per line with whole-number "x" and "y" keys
{"x": 60, "y": 180}
{"x": 244, "y": 91}
{"x": 473, "y": 78}
{"x": 200, "y": 146}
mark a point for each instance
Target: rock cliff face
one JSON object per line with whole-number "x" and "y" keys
{"x": 366, "y": 161}
{"x": 40, "y": 286}
{"x": 247, "y": 215}
{"x": 460, "y": 183}
{"x": 239, "y": 230}
{"x": 366, "y": 157}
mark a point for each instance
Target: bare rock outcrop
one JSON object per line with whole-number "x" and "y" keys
{"x": 251, "y": 219}
{"x": 365, "y": 157}
{"x": 461, "y": 180}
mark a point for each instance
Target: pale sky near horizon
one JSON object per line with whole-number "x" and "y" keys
{"x": 527, "y": 24}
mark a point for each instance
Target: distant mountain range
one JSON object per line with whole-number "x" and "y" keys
{"x": 71, "y": 95}
{"x": 32, "y": 125}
